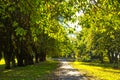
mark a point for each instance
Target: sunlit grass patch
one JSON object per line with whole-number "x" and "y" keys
{"x": 2, "y": 62}
{"x": 30, "y": 72}
{"x": 101, "y": 72}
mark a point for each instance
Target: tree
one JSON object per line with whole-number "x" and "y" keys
{"x": 100, "y": 20}
{"x": 29, "y": 26}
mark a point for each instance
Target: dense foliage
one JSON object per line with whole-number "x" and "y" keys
{"x": 36, "y": 29}
{"x": 31, "y": 29}
{"x": 100, "y": 35}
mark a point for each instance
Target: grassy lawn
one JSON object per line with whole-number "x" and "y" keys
{"x": 100, "y": 71}
{"x": 32, "y": 72}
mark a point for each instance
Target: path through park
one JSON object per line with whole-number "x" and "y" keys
{"x": 66, "y": 72}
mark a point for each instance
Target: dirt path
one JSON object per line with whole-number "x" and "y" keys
{"x": 66, "y": 72}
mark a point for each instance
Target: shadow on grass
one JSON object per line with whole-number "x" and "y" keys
{"x": 30, "y": 72}
{"x": 103, "y": 65}
{"x": 111, "y": 71}
{"x": 2, "y": 66}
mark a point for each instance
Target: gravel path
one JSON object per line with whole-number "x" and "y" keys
{"x": 66, "y": 72}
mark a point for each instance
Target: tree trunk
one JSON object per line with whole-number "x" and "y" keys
{"x": 110, "y": 57}
{"x": 42, "y": 56}
{"x": 7, "y": 64}
{"x": 116, "y": 60}
{"x": 19, "y": 59}
{"x": 101, "y": 58}
{"x": 20, "y": 62}
{"x": 28, "y": 59}
{"x": 0, "y": 54}
{"x": 36, "y": 57}
{"x": 7, "y": 59}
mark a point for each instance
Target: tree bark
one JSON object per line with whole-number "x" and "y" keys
{"x": 101, "y": 58}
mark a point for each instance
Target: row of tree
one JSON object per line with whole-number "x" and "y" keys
{"x": 31, "y": 29}
{"x": 34, "y": 29}
{"x": 100, "y": 35}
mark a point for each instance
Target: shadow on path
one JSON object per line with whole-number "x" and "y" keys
{"x": 66, "y": 72}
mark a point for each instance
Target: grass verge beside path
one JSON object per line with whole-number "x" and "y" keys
{"x": 102, "y": 72}
{"x": 30, "y": 72}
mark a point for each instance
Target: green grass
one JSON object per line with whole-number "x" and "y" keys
{"x": 31, "y": 72}
{"x": 2, "y": 61}
{"x": 100, "y": 71}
